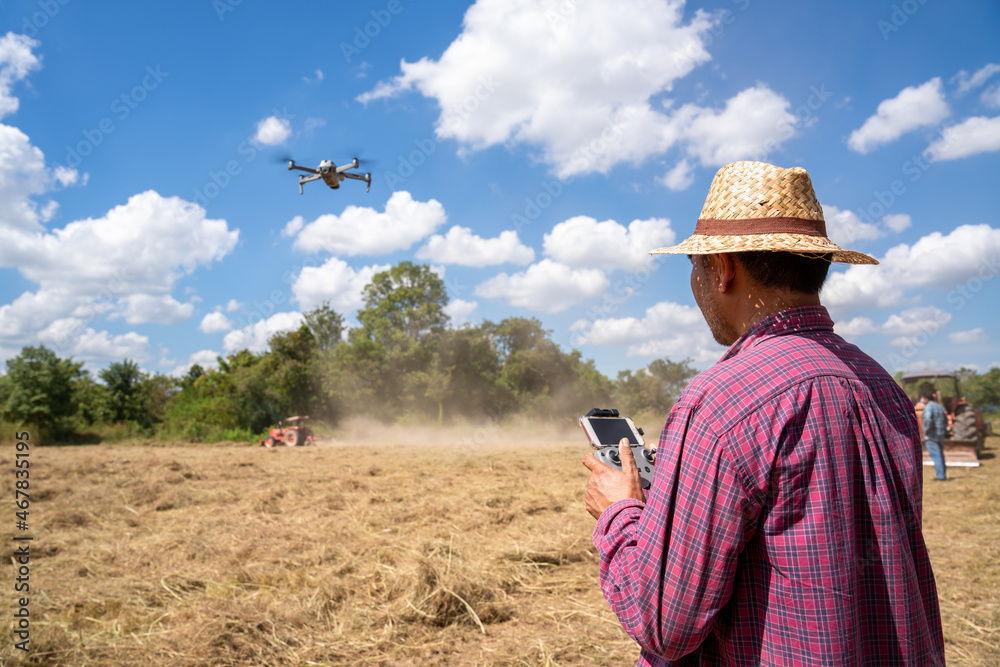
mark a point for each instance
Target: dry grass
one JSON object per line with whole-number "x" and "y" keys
{"x": 962, "y": 529}
{"x": 439, "y": 553}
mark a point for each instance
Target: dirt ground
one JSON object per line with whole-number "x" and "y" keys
{"x": 468, "y": 548}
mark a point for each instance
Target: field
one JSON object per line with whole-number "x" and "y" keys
{"x": 458, "y": 548}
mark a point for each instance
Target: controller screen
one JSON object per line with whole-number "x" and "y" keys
{"x": 610, "y": 431}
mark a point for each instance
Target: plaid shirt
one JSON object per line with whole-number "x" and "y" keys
{"x": 783, "y": 523}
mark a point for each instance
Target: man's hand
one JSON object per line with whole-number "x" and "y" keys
{"x": 607, "y": 485}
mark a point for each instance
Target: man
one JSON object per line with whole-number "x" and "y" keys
{"x": 783, "y": 525}
{"x": 935, "y": 421}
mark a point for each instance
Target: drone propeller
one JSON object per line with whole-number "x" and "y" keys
{"x": 356, "y": 153}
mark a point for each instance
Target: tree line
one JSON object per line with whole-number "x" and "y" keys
{"x": 402, "y": 361}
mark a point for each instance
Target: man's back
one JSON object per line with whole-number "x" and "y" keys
{"x": 814, "y": 449}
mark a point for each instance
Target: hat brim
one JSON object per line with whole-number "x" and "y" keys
{"x": 704, "y": 244}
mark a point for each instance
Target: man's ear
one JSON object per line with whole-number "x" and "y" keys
{"x": 724, "y": 270}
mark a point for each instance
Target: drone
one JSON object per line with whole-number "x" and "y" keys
{"x": 331, "y": 174}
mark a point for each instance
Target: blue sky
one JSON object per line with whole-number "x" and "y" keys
{"x": 531, "y": 151}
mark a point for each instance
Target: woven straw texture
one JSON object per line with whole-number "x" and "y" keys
{"x": 746, "y": 190}
{"x": 753, "y": 190}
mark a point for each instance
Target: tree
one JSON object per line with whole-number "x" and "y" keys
{"x": 93, "y": 400}
{"x": 983, "y": 391}
{"x": 155, "y": 393}
{"x": 287, "y": 369}
{"x": 40, "y": 386}
{"x": 123, "y": 380}
{"x": 433, "y": 383}
{"x": 408, "y": 298}
{"x": 542, "y": 378}
{"x": 326, "y": 325}
{"x": 653, "y": 389}
{"x": 195, "y": 372}
{"x": 515, "y": 334}
{"x": 474, "y": 385}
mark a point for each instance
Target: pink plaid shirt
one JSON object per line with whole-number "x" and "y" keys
{"x": 783, "y": 523}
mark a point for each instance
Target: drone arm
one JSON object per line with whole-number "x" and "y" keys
{"x": 295, "y": 166}
{"x": 306, "y": 179}
{"x": 367, "y": 178}
{"x": 353, "y": 165}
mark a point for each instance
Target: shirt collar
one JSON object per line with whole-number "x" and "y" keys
{"x": 788, "y": 321}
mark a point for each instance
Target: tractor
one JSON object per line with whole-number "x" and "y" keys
{"x": 967, "y": 430}
{"x": 295, "y": 434}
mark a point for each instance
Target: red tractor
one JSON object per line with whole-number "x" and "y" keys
{"x": 296, "y": 434}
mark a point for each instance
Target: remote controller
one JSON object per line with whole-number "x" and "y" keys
{"x": 605, "y": 428}
{"x": 644, "y": 459}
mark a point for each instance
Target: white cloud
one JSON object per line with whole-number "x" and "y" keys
{"x": 71, "y": 337}
{"x": 232, "y": 305}
{"x": 162, "y": 309}
{"x": 254, "y": 336}
{"x": 910, "y": 325}
{"x": 844, "y": 227}
{"x": 970, "y": 137}
{"x": 584, "y": 242}
{"x": 207, "y": 359}
{"x": 22, "y": 166}
{"x": 667, "y": 330}
{"x": 859, "y": 326}
{"x": 461, "y": 246}
{"x": 460, "y": 311}
{"x": 583, "y": 81}
{"x": 364, "y": 231}
{"x": 16, "y": 62}
{"x": 967, "y": 83}
{"x": 335, "y": 282}
{"x": 546, "y": 286}
{"x": 910, "y": 328}
{"x": 48, "y": 211}
{"x": 101, "y": 347}
{"x": 897, "y": 222}
{"x": 679, "y": 178}
{"x": 65, "y": 176}
{"x": 319, "y": 77}
{"x": 273, "y": 131}
{"x": 939, "y": 261}
{"x": 971, "y": 337}
{"x": 22, "y": 176}
{"x": 313, "y": 123}
{"x": 124, "y": 264}
{"x": 991, "y": 97}
{"x": 143, "y": 246}
{"x": 293, "y": 226}
{"x": 752, "y": 122}
{"x": 215, "y": 323}
{"x": 32, "y": 311}
{"x": 914, "y": 107}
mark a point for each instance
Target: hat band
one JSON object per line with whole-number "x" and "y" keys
{"x": 751, "y": 226}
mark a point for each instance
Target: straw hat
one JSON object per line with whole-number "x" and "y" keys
{"x": 757, "y": 206}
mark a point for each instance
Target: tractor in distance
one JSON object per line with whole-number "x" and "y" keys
{"x": 291, "y": 432}
{"x": 967, "y": 430}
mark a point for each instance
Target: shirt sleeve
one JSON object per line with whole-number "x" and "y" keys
{"x": 667, "y": 567}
